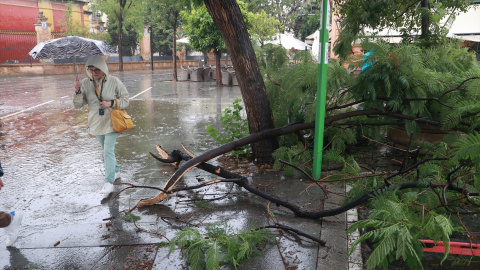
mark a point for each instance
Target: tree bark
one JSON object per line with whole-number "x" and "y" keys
{"x": 425, "y": 20}
{"x": 227, "y": 16}
{"x": 218, "y": 64}
{"x": 174, "y": 49}
{"x": 122, "y": 3}
{"x": 120, "y": 38}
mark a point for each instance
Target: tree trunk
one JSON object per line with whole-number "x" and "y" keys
{"x": 120, "y": 38}
{"x": 227, "y": 16}
{"x": 174, "y": 50}
{"x": 218, "y": 63}
{"x": 205, "y": 58}
{"x": 425, "y": 20}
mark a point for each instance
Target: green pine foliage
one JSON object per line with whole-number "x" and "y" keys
{"x": 292, "y": 90}
{"x": 467, "y": 149}
{"x": 219, "y": 245}
{"x": 129, "y": 217}
{"x": 397, "y": 219}
{"x": 395, "y": 230}
{"x": 436, "y": 83}
{"x": 234, "y": 127}
{"x": 439, "y": 83}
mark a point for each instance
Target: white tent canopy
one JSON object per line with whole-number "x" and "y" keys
{"x": 289, "y": 42}
{"x": 316, "y": 46}
{"x": 183, "y": 40}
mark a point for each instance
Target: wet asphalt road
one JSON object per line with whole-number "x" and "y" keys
{"x": 54, "y": 170}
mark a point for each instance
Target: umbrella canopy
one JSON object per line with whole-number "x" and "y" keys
{"x": 289, "y": 42}
{"x": 70, "y": 47}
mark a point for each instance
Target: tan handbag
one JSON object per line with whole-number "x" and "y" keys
{"x": 121, "y": 121}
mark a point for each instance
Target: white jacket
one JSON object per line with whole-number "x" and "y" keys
{"x": 111, "y": 88}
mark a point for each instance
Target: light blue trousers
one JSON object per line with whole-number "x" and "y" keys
{"x": 108, "y": 144}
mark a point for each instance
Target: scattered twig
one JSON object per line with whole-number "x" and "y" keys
{"x": 283, "y": 227}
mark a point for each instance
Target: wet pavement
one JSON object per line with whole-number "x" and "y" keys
{"x": 54, "y": 170}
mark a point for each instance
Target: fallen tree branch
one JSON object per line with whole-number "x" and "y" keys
{"x": 246, "y": 184}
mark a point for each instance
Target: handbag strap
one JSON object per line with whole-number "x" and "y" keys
{"x": 97, "y": 93}
{"x": 116, "y": 106}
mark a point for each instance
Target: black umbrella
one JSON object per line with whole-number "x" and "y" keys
{"x": 70, "y": 47}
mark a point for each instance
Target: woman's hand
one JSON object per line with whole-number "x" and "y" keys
{"x": 106, "y": 104}
{"x": 77, "y": 84}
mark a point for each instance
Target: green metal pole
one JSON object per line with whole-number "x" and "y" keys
{"x": 321, "y": 92}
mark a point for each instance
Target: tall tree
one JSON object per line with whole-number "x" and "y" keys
{"x": 164, "y": 17}
{"x": 203, "y": 35}
{"x": 227, "y": 16}
{"x": 264, "y": 28}
{"x": 285, "y": 11}
{"x": 127, "y": 14}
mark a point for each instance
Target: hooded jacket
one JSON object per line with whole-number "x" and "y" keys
{"x": 110, "y": 88}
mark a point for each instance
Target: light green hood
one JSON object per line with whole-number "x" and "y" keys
{"x": 98, "y": 62}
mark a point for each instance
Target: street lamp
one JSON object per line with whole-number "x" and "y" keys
{"x": 306, "y": 25}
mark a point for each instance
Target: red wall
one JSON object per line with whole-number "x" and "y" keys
{"x": 20, "y": 15}
{"x": 19, "y": 18}
{"x": 58, "y": 11}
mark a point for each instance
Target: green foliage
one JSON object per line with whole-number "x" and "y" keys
{"x": 127, "y": 15}
{"x": 71, "y": 26}
{"x": 296, "y": 154}
{"x": 271, "y": 58}
{"x": 234, "y": 127}
{"x": 202, "y": 204}
{"x": 130, "y": 217}
{"x": 264, "y": 27}
{"x": 420, "y": 83}
{"x": 162, "y": 244}
{"x": 285, "y": 11}
{"x": 402, "y": 16}
{"x": 202, "y": 31}
{"x": 467, "y": 149}
{"x": 219, "y": 245}
{"x": 438, "y": 83}
{"x": 292, "y": 91}
{"x": 396, "y": 228}
{"x": 164, "y": 18}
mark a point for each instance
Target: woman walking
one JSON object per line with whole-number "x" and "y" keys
{"x": 102, "y": 92}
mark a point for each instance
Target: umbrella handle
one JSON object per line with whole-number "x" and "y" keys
{"x": 75, "y": 67}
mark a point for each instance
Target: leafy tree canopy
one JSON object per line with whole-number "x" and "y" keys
{"x": 201, "y": 30}
{"x": 285, "y": 11}
{"x": 263, "y": 27}
{"x": 163, "y": 18}
{"x": 404, "y": 16}
{"x": 128, "y": 14}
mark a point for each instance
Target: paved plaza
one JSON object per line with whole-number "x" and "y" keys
{"x": 53, "y": 172}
